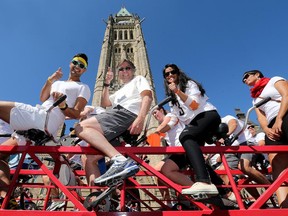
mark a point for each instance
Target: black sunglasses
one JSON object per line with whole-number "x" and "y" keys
{"x": 246, "y": 77}
{"x": 173, "y": 72}
{"x": 126, "y": 68}
{"x": 82, "y": 66}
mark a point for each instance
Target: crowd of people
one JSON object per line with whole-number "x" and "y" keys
{"x": 191, "y": 120}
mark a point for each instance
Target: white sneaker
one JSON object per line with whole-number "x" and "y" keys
{"x": 55, "y": 205}
{"x": 232, "y": 197}
{"x": 201, "y": 188}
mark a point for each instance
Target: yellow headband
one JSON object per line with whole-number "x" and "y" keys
{"x": 82, "y": 60}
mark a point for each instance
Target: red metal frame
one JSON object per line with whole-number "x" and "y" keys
{"x": 55, "y": 151}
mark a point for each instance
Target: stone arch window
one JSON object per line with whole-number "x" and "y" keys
{"x": 120, "y": 35}
{"x": 131, "y": 34}
{"x": 115, "y": 35}
{"x": 125, "y": 35}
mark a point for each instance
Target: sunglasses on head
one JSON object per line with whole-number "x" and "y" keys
{"x": 77, "y": 63}
{"x": 173, "y": 72}
{"x": 126, "y": 68}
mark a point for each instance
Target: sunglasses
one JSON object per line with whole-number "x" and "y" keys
{"x": 173, "y": 72}
{"x": 77, "y": 63}
{"x": 246, "y": 77}
{"x": 126, "y": 68}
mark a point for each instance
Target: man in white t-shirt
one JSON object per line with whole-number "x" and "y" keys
{"x": 22, "y": 116}
{"x": 234, "y": 127}
{"x": 130, "y": 105}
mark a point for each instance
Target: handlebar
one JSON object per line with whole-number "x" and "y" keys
{"x": 165, "y": 101}
{"x": 60, "y": 100}
{"x": 57, "y": 102}
{"x": 260, "y": 103}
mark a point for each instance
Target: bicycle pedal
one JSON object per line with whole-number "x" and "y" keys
{"x": 115, "y": 182}
{"x": 200, "y": 196}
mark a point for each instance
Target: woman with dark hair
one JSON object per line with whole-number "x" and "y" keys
{"x": 189, "y": 103}
{"x": 273, "y": 119}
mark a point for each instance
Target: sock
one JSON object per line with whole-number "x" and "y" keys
{"x": 119, "y": 158}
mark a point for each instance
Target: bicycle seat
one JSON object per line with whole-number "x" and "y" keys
{"x": 220, "y": 133}
{"x": 128, "y": 138}
{"x": 38, "y": 136}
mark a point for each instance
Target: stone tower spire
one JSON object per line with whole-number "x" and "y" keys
{"x": 123, "y": 39}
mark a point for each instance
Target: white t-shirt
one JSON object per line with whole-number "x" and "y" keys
{"x": 243, "y": 136}
{"x": 129, "y": 95}
{"x": 253, "y": 140}
{"x": 73, "y": 90}
{"x": 184, "y": 112}
{"x": 271, "y": 108}
{"x": 172, "y": 136}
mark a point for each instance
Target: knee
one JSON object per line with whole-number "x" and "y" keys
{"x": 165, "y": 171}
{"x": 78, "y": 128}
{"x": 186, "y": 134}
{"x": 245, "y": 168}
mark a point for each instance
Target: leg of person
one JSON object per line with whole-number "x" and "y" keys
{"x": 4, "y": 178}
{"x": 54, "y": 194}
{"x": 164, "y": 192}
{"x": 203, "y": 183}
{"x": 232, "y": 161}
{"x": 255, "y": 175}
{"x": 5, "y": 175}
{"x": 92, "y": 169}
{"x": 5, "y": 109}
{"x": 279, "y": 162}
{"x": 192, "y": 137}
{"x": 215, "y": 179}
{"x": 112, "y": 125}
{"x": 171, "y": 170}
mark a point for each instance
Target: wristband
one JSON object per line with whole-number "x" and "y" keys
{"x": 178, "y": 90}
{"x": 106, "y": 85}
{"x": 50, "y": 80}
{"x": 64, "y": 108}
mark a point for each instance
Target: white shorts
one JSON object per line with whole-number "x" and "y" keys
{"x": 25, "y": 117}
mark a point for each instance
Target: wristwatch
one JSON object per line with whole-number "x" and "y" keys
{"x": 64, "y": 108}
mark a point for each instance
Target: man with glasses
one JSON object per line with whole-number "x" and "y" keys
{"x": 22, "y": 116}
{"x": 130, "y": 105}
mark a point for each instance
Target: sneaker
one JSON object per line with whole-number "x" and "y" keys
{"x": 55, "y": 205}
{"x": 232, "y": 197}
{"x": 201, "y": 188}
{"x": 118, "y": 171}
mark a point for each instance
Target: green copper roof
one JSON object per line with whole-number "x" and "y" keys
{"x": 123, "y": 12}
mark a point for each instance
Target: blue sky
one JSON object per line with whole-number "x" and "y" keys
{"x": 213, "y": 41}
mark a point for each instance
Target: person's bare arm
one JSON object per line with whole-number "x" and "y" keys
{"x": 137, "y": 125}
{"x": 282, "y": 88}
{"x": 45, "y": 91}
{"x": 105, "y": 101}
